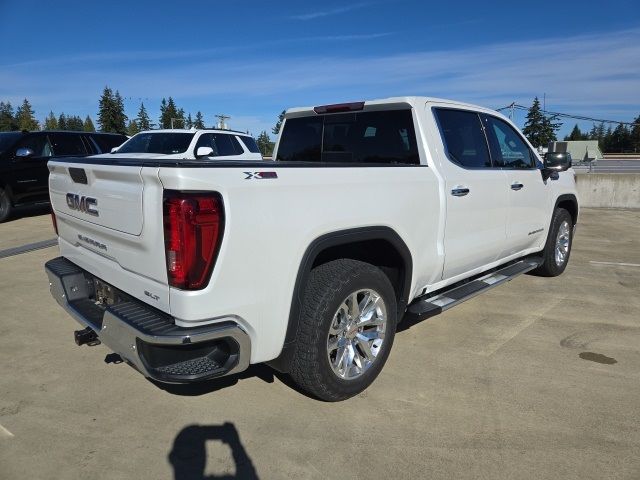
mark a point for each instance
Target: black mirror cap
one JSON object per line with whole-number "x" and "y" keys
{"x": 557, "y": 161}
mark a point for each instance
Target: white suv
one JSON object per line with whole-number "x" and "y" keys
{"x": 190, "y": 144}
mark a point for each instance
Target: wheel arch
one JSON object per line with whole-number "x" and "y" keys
{"x": 570, "y": 203}
{"x": 378, "y": 245}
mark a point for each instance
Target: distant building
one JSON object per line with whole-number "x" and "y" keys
{"x": 580, "y": 150}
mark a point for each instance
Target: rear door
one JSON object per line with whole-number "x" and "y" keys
{"x": 528, "y": 195}
{"x": 475, "y": 194}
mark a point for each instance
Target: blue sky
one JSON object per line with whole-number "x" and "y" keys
{"x": 251, "y": 60}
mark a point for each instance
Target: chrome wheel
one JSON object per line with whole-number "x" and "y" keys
{"x": 562, "y": 243}
{"x": 356, "y": 334}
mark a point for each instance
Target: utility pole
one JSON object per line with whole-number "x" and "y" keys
{"x": 222, "y": 124}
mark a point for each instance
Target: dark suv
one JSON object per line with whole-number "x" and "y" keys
{"x": 24, "y": 157}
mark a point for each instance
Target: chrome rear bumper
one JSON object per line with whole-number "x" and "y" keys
{"x": 147, "y": 338}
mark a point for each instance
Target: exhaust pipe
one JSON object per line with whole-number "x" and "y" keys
{"x": 85, "y": 336}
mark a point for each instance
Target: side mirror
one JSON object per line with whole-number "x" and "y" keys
{"x": 204, "y": 152}
{"x": 114, "y": 150}
{"x": 24, "y": 152}
{"x": 557, "y": 161}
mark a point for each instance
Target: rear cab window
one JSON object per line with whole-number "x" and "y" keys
{"x": 366, "y": 137}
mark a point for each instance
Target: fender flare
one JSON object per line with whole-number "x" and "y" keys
{"x": 334, "y": 239}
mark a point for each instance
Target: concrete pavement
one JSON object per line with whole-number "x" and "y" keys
{"x": 516, "y": 383}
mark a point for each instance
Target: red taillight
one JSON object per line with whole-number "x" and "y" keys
{"x": 193, "y": 226}
{"x": 54, "y": 221}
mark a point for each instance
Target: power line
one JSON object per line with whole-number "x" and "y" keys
{"x": 564, "y": 115}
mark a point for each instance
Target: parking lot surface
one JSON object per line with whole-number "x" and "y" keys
{"x": 536, "y": 379}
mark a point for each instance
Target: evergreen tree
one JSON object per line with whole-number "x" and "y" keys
{"x": 132, "y": 128}
{"x": 51, "y": 122}
{"x": 189, "y": 121}
{"x": 25, "y": 117}
{"x": 111, "y": 116}
{"x": 168, "y": 110}
{"x": 7, "y": 119}
{"x": 142, "y": 120}
{"x": 275, "y": 130}
{"x": 620, "y": 140}
{"x": 607, "y": 141}
{"x": 87, "y": 126}
{"x": 635, "y": 135}
{"x": 576, "y": 134}
{"x": 540, "y": 129}
{"x": 264, "y": 144}
{"x": 62, "y": 122}
{"x": 120, "y": 117}
{"x": 199, "y": 120}
{"x": 75, "y": 123}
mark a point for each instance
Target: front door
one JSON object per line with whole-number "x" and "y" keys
{"x": 528, "y": 196}
{"x": 29, "y": 173}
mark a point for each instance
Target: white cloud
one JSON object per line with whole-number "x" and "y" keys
{"x": 326, "y": 13}
{"x": 595, "y": 74}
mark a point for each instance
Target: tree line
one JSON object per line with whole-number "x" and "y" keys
{"x": 541, "y": 128}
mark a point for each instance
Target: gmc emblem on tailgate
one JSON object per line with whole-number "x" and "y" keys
{"x": 82, "y": 204}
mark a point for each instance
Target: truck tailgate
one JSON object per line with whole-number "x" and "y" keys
{"x": 100, "y": 211}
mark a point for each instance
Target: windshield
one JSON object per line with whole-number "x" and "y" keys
{"x": 163, "y": 143}
{"x": 8, "y": 139}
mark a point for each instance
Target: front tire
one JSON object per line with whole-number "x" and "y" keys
{"x": 557, "y": 250}
{"x": 5, "y": 205}
{"x": 347, "y": 328}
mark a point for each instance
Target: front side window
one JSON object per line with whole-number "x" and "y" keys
{"x": 463, "y": 138}
{"x": 38, "y": 144}
{"x": 223, "y": 145}
{"x": 251, "y": 144}
{"x": 8, "y": 139}
{"x": 383, "y": 137}
{"x": 507, "y": 147}
{"x": 163, "y": 143}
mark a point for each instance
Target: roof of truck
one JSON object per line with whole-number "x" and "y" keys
{"x": 411, "y": 100}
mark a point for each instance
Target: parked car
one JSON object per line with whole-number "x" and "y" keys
{"x": 24, "y": 157}
{"x": 190, "y": 144}
{"x": 372, "y": 213}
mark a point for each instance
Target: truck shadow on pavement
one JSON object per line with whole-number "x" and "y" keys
{"x": 188, "y": 456}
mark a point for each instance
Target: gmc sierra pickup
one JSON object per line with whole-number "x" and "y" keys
{"x": 372, "y": 213}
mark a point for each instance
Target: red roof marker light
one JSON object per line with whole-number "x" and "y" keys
{"x": 339, "y": 107}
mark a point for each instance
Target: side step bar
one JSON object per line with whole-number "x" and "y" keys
{"x": 432, "y": 304}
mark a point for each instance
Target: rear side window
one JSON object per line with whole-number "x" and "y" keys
{"x": 66, "y": 144}
{"x": 463, "y": 138}
{"x": 385, "y": 137}
{"x": 223, "y": 145}
{"x": 507, "y": 147}
{"x": 251, "y": 144}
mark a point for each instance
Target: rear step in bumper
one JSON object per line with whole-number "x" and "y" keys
{"x": 146, "y": 338}
{"x": 432, "y": 304}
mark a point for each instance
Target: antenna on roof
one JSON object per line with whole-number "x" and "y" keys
{"x": 222, "y": 124}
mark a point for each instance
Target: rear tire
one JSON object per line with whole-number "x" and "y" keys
{"x": 557, "y": 250}
{"x": 5, "y": 205}
{"x": 347, "y": 327}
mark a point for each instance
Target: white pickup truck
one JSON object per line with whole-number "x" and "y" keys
{"x": 372, "y": 213}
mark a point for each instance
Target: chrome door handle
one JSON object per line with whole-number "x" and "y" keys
{"x": 516, "y": 186}
{"x": 459, "y": 192}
